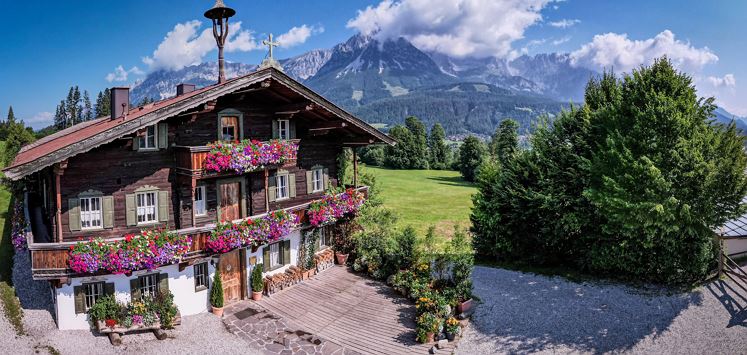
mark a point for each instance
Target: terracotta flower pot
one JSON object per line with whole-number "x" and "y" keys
{"x": 431, "y": 337}
{"x": 341, "y": 258}
{"x": 464, "y": 306}
{"x": 218, "y": 311}
{"x": 256, "y": 296}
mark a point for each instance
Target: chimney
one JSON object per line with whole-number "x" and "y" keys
{"x": 183, "y": 88}
{"x": 120, "y": 101}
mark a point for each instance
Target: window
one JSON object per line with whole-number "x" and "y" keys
{"x": 93, "y": 291}
{"x": 90, "y": 212}
{"x": 325, "y": 237}
{"x": 281, "y": 192}
{"x": 229, "y": 128}
{"x": 148, "y": 285}
{"x": 283, "y": 129}
{"x": 275, "y": 255}
{"x": 146, "y": 207}
{"x": 148, "y": 140}
{"x": 200, "y": 201}
{"x": 201, "y": 276}
{"x": 317, "y": 179}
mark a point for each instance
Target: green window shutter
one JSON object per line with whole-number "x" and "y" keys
{"x": 131, "y": 210}
{"x": 109, "y": 289}
{"x": 286, "y": 251}
{"x": 275, "y": 129}
{"x": 266, "y": 258}
{"x": 73, "y": 214}
{"x": 163, "y": 283}
{"x": 309, "y": 182}
{"x": 292, "y": 185}
{"x": 163, "y": 206}
{"x": 292, "y": 128}
{"x": 163, "y": 135}
{"x": 107, "y": 204}
{"x": 271, "y": 187}
{"x": 135, "y": 289}
{"x": 79, "y": 295}
{"x": 325, "y": 176}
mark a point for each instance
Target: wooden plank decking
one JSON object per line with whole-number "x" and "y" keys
{"x": 358, "y": 313}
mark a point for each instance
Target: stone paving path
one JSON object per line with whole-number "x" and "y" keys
{"x": 336, "y": 312}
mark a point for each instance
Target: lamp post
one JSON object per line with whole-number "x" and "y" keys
{"x": 220, "y": 14}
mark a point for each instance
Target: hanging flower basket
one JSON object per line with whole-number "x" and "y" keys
{"x": 249, "y": 155}
{"x": 148, "y": 250}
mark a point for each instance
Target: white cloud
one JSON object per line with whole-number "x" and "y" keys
{"x": 564, "y": 23}
{"x": 616, "y": 51}
{"x": 560, "y": 41}
{"x": 120, "y": 74}
{"x": 476, "y": 28}
{"x": 297, "y": 35}
{"x": 727, "y": 80}
{"x": 184, "y": 46}
{"x": 41, "y": 119}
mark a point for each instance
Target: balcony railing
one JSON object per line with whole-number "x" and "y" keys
{"x": 49, "y": 261}
{"x": 190, "y": 160}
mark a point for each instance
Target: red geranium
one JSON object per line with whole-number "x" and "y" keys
{"x": 110, "y": 323}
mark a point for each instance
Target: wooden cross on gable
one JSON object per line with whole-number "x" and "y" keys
{"x": 269, "y": 43}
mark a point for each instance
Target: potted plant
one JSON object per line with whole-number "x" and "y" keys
{"x": 452, "y": 328}
{"x": 343, "y": 244}
{"x": 216, "y": 295}
{"x": 427, "y": 325}
{"x": 257, "y": 284}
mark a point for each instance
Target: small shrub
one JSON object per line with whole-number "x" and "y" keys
{"x": 105, "y": 308}
{"x": 257, "y": 284}
{"x": 427, "y": 323}
{"x": 166, "y": 309}
{"x": 216, "y": 293}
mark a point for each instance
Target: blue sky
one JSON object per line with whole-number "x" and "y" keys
{"x": 47, "y": 46}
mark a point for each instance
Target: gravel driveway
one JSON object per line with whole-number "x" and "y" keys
{"x": 527, "y": 313}
{"x": 198, "y": 334}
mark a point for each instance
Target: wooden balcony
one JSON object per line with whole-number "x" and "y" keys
{"x": 190, "y": 160}
{"x": 49, "y": 261}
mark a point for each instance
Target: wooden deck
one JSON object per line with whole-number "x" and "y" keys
{"x": 355, "y": 312}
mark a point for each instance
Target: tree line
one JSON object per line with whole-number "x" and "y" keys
{"x": 15, "y": 134}
{"x": 77, "y": 108}
{"x": 632, "y": 184}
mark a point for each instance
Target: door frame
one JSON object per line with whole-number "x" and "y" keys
{"x": 241, "y": 254}
{"x": 242, "y": 194}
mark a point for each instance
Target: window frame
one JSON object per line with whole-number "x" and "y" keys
{"x": 277, "y": 255}
{"x": 138, "y": 208}
{"x": 317, "y": 179}
{"x": 285, "y": 188}
{"x": 201, "y": 276}
{"x": 99, "y": 291}
{"x": 143, "y": 139}
{"x": 91, "y": 213}
{"x": 201, "y": 192}
{"x": 229, "y": 112}
{"x": 283, "y": 132}
{"x": 145, "y": 290}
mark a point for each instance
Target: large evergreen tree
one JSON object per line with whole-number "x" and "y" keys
{"x": 87, "y": 111}
{"x": 18, "y": 135}
{"x": 438, "y": 151}
{"x": 399, "y": 156}
{"x": 103, "y": 107}
{"x": 60, "y": 116}
{"x": 471, "y": 155}
{"x": 632, "y": 184}
{"x": 505, "y": 141}
{"x": 419, "y": 158}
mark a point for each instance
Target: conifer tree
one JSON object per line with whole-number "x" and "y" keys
{"x": 471, "y": 156}
{"x": 87, "y": 111}
{"x": 60, "y": 116}
{"x": 103, "y": 103}
{"x": 505, "y": 141}
{"x": 419, "y": 157}
{"x": 439, "y": 152}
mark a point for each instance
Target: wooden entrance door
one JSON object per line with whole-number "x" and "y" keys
{"x": 230, "y": 200}
{"x": 230, "y": 272}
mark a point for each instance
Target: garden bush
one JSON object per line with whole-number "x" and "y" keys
{"x": 216, "y": 292}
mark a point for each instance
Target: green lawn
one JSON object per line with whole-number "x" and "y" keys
{"x": 424, "y": 198}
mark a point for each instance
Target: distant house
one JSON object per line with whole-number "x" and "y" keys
{"x": 734, "y": 234}
{"x": 143, "y": 168}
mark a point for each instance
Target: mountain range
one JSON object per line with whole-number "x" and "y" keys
{"x": 384, "y": 82}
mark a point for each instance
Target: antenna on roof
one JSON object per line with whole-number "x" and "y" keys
{"x": 220, "y": 14}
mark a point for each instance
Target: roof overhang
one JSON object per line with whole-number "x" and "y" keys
{"x": 130, "y": 126}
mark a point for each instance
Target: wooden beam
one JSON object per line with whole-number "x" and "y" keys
{"x": 358, "y": 142}
{"x": 59, "y": 170}
{"x": 267, "y": 192}
{"x": 324, "y": 126}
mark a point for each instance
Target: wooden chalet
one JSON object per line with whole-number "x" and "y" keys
{"x": 143, "y": 167}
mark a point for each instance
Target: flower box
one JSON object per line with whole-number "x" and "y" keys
{"x": 249, "y": 155}
{"x": 273, "y": 226}
{"x": 332, "y": 207}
